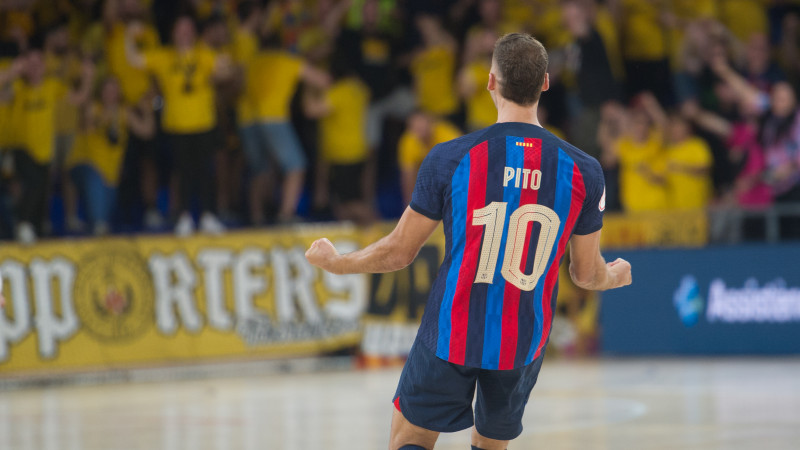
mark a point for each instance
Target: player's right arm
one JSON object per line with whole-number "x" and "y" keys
{"x": 589, "y": 269}
{"x": 394, "y": 252}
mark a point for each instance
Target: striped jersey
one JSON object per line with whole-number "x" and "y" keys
{"x": 510, "y": 196}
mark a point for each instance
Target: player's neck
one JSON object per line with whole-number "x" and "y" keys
{"x": 512, "y": 112}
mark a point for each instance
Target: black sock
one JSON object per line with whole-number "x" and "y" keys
{"x": 411, "y": 447}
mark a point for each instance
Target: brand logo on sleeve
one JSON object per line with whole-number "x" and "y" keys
{"x": 602, "y": 204}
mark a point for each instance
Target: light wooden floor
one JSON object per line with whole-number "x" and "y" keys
{"x": 606, "y": 404}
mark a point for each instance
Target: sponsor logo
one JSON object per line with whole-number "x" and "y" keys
{"x": 774, "y": 302}
{"x": 687, "y": 301}
{"x": 602, "y": 205}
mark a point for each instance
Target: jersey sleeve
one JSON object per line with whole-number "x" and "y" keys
{"x": 428, "y": 196}
{"x": 591, "y": 217}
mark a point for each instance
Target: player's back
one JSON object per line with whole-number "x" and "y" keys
{"x": 510, "y": 196}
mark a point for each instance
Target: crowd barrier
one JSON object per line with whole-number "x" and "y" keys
{"x": 119, "y": 302}
{"x": 723, "y": 300}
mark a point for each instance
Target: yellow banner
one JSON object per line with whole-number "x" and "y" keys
{"x": 147, "y": 300}
{"x": 117, "y": 302}
{"x": 658, "y": 229}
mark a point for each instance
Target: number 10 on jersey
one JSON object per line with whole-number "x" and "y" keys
{"x": 492, "y": 217}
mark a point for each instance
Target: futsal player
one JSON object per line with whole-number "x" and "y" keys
{"x": 511, "y": 197}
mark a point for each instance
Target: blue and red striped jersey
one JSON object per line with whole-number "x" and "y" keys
{"x": 510, "y": 197}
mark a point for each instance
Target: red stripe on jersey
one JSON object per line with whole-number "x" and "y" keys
{"x": 578, "y": 196}
{"x": 510, "y": 321}
{"x": 476, "y": 199}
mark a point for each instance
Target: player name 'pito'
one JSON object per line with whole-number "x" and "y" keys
{"x": 531, "y": 179}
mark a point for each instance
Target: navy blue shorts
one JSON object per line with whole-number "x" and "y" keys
{"x": 437, "y": 395}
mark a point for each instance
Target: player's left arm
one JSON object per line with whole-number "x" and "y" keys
{"x": 393, "y": 252}
{"x": 588, "y": 269}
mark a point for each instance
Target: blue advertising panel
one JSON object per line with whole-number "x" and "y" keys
{"x": 727, "y": 300}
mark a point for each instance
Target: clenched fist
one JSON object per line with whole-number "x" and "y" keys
{"x": 322, "y": 254}
{"x": 621, "y": 271}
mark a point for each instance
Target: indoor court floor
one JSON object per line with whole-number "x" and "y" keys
{"x": 592, "y": 404}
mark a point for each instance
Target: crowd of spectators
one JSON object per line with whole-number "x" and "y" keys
{"x": 126, "y": 115}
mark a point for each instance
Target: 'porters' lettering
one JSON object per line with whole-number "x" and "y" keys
{"x": 530, "y": 179}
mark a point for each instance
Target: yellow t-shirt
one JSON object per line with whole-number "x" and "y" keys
{"x": 481, "y": 111}
{"x": 245, "y": 47}
{"x": 637, "y": 191}
{"x": 643, "y": 37}
{"x": 272, "y": 79}
{"x": 412, "y": 150}
{"x": 548, "y": 23}
{"x": 433, "y": 71}
{"x": 103, "y": 144}
{"x": 342, "y": 131}
{"x": 33, "y": 122}
{"x": 744, "y": 17}
{"x": 133, "y": 82}
{"x": 686, "y": 190}
{"x": 187, "y": 87}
